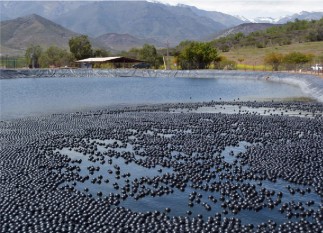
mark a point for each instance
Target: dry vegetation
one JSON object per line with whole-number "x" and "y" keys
{"x": 255, "y": 56}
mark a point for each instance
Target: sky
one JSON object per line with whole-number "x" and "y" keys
{"x": 252, "y": 9}
{"x": 247, "y": 8}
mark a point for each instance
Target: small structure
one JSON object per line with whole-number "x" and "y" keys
{"x": 116, "y": 62}
{"x": 317, "y": 67}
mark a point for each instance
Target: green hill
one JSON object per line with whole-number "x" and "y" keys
{"x": 299, "y": 31}
{"x": 300, "y": 36}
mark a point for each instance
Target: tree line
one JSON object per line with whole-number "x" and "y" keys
{"x": 190, "y": 54}
{"x": 79, "y": 48}
{"x": 290, "y": 61}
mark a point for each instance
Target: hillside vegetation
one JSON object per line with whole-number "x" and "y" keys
{"x": 252, "y": 51}
{"x": 299, "y": 31}
{"x": 245, "y": 28}
{"x": 254, "y": 56}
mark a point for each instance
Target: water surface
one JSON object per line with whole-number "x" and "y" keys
{"x": 38, "y": 96}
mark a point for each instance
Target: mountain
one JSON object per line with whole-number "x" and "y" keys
{"x": 20, "y": 33}
{"x": 304, "y": 15}
{"x": 225, "y": 19}
{"x": 115, "y": 25}
{"x": 140, "y": 19}
{"x": 243, "y": 19}
{"x": 124, "y": 42}
{"x": 47, "y": 9}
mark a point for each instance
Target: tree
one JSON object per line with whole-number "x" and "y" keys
{"x": 149, "y": 54}
{"x": 133, "y": 53}
{"x": 32, "y": 55}
{"x": 56, "y": 57}
{"x": 197, "y": 55}
{"x": 297, "y": 59}
{"x": 80, "y": 46}
{"x": 274, "y": 60}
{"x": 183, "y": 45}
{"x": 101, "y": 53}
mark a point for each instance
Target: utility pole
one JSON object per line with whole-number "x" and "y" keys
{"x": 33, "y": 58}
{"x": 166, "y": 61}
{"x": 168, "y": 66}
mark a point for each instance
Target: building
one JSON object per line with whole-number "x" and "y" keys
{"x": 115, "y": 62}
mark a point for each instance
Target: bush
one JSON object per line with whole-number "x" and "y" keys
{"x": 197, "y": 55}
{"x": 274, "y": 60}
{"x": 224, "y": 64}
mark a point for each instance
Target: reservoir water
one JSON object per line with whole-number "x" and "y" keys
{"x": 38, "y": 96}
{"x": 183, "y": 163}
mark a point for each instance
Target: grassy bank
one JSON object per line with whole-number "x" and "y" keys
{"x": 253, "y": 67}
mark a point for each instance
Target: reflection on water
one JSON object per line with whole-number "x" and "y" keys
{"x": 25, "y": 97}
{"x": 195, "y": 165}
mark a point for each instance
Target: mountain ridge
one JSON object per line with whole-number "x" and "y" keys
{"x": 141, "y": 19}
{"x": 115, "y": 25}
{"x": 20, "y": 33}
{"x": 33, "y": 29}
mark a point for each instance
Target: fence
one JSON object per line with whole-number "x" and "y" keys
{"x": 12, "y": 62}
{"x": 20, "y": 62}
{"x": 292, "y": 68}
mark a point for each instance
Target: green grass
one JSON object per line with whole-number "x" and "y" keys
{"x": 253, "y": 67}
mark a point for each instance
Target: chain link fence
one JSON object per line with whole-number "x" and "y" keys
{"x": 7, "y": 62}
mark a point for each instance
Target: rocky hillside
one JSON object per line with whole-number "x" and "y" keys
{"x": 124, "y": 42}
{"x": 245, "y": 28}
{"x": 22, "y": 32}
{"x": 140, "y": 19}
